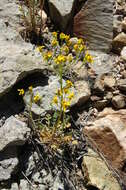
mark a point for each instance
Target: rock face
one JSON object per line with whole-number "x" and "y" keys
{"x": 109, "y": 133}
{"x": 88, "y": 24}
{"x": 47, "y": 92}
{"x": 13, "y": 133}
{"x": 97, "y": 174}
{"x": 61, "y": 12}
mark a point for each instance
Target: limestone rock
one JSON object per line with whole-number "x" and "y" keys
{"x": 118, "y": 101}
{"x": 97, "y": 174}
{"x": 61, "y": 12}
{"x": 123, "y": 53}
{"x": 13, "y": 133}
{"x": 122, "y": 84}
{"x": 108, "y": 131}
{"x": 82, "y": 92}
{"x": 119, "y": 42}
{"x": 88, "y": 24}
{"x": 109, "y": 81}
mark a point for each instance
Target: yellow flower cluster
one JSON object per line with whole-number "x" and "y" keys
{"x": 37, "y": 98}
{"x": 48, "y": 55}
{"x": 64, "y": 37}
{"x": 21, "y": 92}
{"x": 65, "y": 95}
{"x": 88, "y": 58}
{"x": 65, "y": 49}
{"x": 60, "y": 59}
{"x": 54, "y": 43}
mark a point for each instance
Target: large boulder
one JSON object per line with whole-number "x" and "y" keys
{"x": 61, "y": 12}
{"x": 97, "y": 175}
{"x": 108, "y": 132}
{"x": 94, "y": 23}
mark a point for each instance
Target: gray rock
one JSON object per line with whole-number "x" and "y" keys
{"x": 88, "y": 24}
{"x": 118, "y": 101}
{"x": 13, "y": 133}
{"x": 7, "y": 167}
{"x": 117, "y": 24}
{"x": 102, "y": 62}
{"x": 109, "y": 81}
{"x": 24, "y": 185}
{"x": 61, "y": 12}
{"x": 14, "y": 186}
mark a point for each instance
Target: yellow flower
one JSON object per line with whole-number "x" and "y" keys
{"x": 71, "y": 95}
{"x": 55, "y": 100}
{"x": 81, "y": 48}
{"x": 76, "y": 47}
{"x": 36, "y": 98}
{"x": 20, "y": 8}
{"x": 69, "y": 83}
{"x": 30, "y": 88}
{"x": 62, "y": 36}
{"x": 68, "y": 43}
{"x": 65, "y": 49}
{"x": 54, "y": 34}
{"x": 70, "y": 58}
{"x": 21, "y": 92}
{"x": 67, "y": 37}
{"x": 80, "y": 41}
{"x": 60, "y": 59}
{"x": 54, "y": 42}
{"x": 66, "y": 90}
{"x": 88, "y": 58}
{"x": 65, "y": 105}
{"x": 40, "y": 48}
{"x": 59, "y": 93}
{"x": 48, "y": 55}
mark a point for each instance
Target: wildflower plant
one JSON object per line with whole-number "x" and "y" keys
{"x": 54, "y": 129}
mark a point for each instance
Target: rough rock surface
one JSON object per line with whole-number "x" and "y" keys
{"x": 47, "y": 92}
{"x": 13, "y": 133}
{"x": 109, "y": 133}
{"x": 61, "y": 12}
{"x": 88, "y": 24}
{"x": 97, "y": 174}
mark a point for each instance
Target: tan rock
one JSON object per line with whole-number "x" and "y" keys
{"x": 124, "y": 24}
{"x": 108, "y": 131}
{"x": 83, "y": 92}
{"x": 97, "y": 174}
{"x": 119, "y": 42}
{"x": 118, "y": 101}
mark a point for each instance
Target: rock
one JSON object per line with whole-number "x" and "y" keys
{"x": 24, "y": 185}
{"x": 80, "y": 70}
{"x": 82, "y": 92}
{"x": 97, "y": 174}
{"x": 109, "y": 81}
{"x": 98, "y": 36}
{"x": 61, "y": 12}
{"x": 14, "y": 186}
{"x": 117, "y": 24}
{"x": 123, "y": 53}
{"x": 8, "y": 167}
{"x": 102, "y": 62}
{"x": 119, "y": 42}
{"x": 108, "y": 132}
{"x": 122, "y": 84}
{"x": 13, "y": 133}
{"x": 101, "y": 104}
{"x": 118, "y": 101}
{"x": 47, "y": 92}
{"x": 124, "y": 25}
